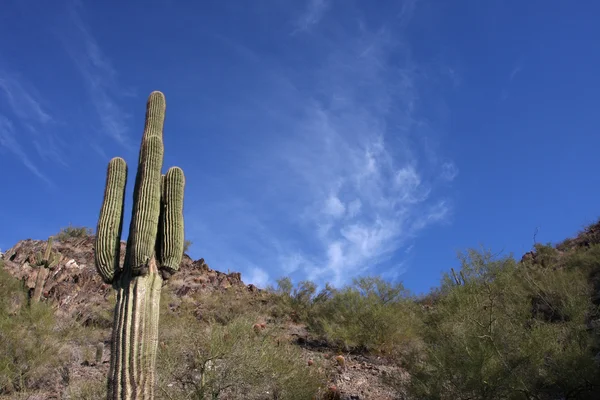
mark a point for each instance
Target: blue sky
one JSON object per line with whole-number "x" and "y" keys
{"x": 321, "y": 139}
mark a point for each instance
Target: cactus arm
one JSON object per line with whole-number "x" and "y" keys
{"x": 53, "y": 261}
{"x": 159, "y": 234}
{"x": 155, "y": 115}
{"x": 49, "y": 258}
{"x": 146, "y": 208}
{"x": 48, "y": 253}
{"x": 110, "y": 223}
{"x": 172, "y": 229}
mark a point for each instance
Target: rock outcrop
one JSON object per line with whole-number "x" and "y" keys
{"x": 74, "y": 283}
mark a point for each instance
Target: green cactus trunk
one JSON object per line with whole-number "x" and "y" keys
{"x": 135, "y": 337}
{"x": 40, "y": 280}
{"x": 154, "y": 251}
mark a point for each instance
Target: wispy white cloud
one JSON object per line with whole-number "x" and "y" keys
{"x": 9, "y": 141}
{"x": 345, "y": 149}
{"x": 99, "y": 75}
{"x": 449, "y": 171}
{"x": 22, "y": 101}
{"x": 354, "y": 207}
{"x": 504, "y": 93}
{"x": 34, "y": 121}
{"x": 514, "y": 72}
{"x": 334, "y": 206}
{"x": 453, "y": 75}
{"x": 347, "y": 187}
{"x": 315, "y": 10}
{"x": 293, "y": 262}
{"x": 258, "y": 277}
{"x": 406, "y": 12}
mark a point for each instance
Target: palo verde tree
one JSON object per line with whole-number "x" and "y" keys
{"x": 153, "y": 253}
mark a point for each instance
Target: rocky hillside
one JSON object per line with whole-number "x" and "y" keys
{"x": 74, "y": 283}
{"x": 75, "y": 292}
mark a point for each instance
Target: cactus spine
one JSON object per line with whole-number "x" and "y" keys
{"x": 153, "y": 253}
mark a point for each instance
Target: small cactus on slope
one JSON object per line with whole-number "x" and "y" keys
{"x": 99, "y": 352}
{"x": 153, "y": 253}
{"x": 49, "y": 258}
{"x": 44, "y": 261}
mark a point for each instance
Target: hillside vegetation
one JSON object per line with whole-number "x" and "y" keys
{"x": 496, "y": 328}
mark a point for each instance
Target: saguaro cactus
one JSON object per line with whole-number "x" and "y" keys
{"x": 49, "y": 258}
{"x": 153, "y": 253}
{"x": 44, "y": 261}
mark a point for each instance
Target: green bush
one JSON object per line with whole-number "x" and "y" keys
{"x": 506, "y": 332}
{"x": 198, "y": 360}
{"x": 220, "y": 306}
{"x": 31, "y": 341}
{"x": 369, "y": 315}
{"x": 298, "y": 303}
{"x": 73, "y": 232}
{"x": 87, "y": 389}
{"x": 372, "y": 315}
{"x": 186, "y": 245}
{"x": 587, "y": 260}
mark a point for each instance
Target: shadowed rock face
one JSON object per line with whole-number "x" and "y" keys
{"x": 74, "y": 283}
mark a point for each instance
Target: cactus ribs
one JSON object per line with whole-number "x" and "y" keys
{"x": 153, "y": 253}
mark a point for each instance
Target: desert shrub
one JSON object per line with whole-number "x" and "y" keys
{"x": 587, "y": 260}
{"x": 31, "y": 341}
{"x": 87, "y": 389}
{"x": 298, "y": 303}
{"x": 220, "y": 306}
{"x": 546, "y": 255}
{"x": 198, "y": 360}
{"x": 97, "y": 316}
{"x": 487, "y": 338}
{"x": 73, "y": 232}
{"x": 186, "y": 245}
{"x": 369, "y": 315}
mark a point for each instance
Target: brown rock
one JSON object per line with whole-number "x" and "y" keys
{"x": 74, "y": 285}
{"x": 225, "y": 284}
{"x": 252, "y": 288}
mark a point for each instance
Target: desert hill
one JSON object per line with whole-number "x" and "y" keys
{"x": 369, "y": 341}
